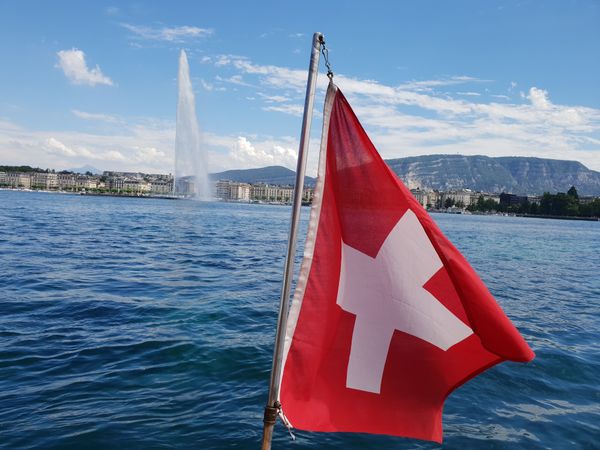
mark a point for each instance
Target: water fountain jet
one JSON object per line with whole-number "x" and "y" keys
{"x": 191, "y": 171}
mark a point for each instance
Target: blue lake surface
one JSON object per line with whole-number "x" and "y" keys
{"x": 143, "y": 323}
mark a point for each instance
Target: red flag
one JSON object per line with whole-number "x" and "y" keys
{"x": 388, "y": 318}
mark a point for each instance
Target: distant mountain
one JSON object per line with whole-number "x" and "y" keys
{"x": 85, "y": 169}
{"x": 271, "y": 175}
{"x": 513, "y": 174}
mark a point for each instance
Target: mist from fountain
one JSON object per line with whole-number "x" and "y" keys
{"x": 191, "y": 161}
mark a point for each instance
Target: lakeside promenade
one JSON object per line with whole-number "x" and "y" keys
{"x": 142, "y": 185}
{"x": 449, "y": 210}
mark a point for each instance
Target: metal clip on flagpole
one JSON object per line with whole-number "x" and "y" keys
{"x": 273, "y": 408}
{"x": 325, "y": 52}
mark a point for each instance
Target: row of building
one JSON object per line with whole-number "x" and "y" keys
{"x": 245, "y": 192}
{"x": 460, "y": 198}
{"x": 141, "y": 183}
{"x": 260, "y": 192}
{"x": 67, "y": 181}
{"x": 463, "y": 198}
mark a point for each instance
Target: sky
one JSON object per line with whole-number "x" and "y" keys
{"x": 95, "y": 83}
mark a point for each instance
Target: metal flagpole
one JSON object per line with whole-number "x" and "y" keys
{"x": 273, "y": 407}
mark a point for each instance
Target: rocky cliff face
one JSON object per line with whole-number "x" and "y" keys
{"x": 518, "y": 175}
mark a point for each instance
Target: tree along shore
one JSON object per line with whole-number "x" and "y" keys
{"x": 559, "y": 205}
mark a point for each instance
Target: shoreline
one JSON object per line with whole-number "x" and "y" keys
{"x": 542, "y": 216}
{"x": 174, "y": 197}
{"x": 97, "y": 194}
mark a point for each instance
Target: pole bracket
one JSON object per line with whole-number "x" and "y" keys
{"x": 271, "y": 414}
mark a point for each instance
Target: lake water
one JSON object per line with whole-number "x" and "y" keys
{"x": 143, "y": 323}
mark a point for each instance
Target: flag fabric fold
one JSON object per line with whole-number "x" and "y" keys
{"x": 388, "y": 318}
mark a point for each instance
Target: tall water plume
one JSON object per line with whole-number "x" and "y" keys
{"x": 191, "y": 172}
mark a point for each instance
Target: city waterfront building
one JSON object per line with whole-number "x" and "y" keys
{"x": 44, "y": 180}
{"x": 493, "y": 197}
{"x": 285, "y": 194}
{"x": 161, "y": 186}
{"x": 240, "y": 192}
{"x": 222, "y": 190}
{"x": 275, "y": 194}
{"x": 420, "y": 196}
{"x": 18, "y": 180}
{"x": 66, "y": 181}
{"x": 232, "y": 190}
{"x": 308, "y": 195}
{"x": 116, "y": 183}
{"x": 260, "y": 192}
{"x": 136, "y": 185}
{"x": 461, "y": 198}
{"x": 434, "y": 199}
{"x": 512, "y": 199}
{"x": 185, "y": 186}
{"x": 86, "y": 182}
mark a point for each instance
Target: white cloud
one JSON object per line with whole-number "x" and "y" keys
{"x": 274, "y": 98}
{"x": 55, "y": 146}
{"x": 94, "y": 116}
{"x": 539, "y": 98}
{"x": 411, "y": 118}
{"x": 144, "y": 154}
{"x": 72, "y": 63}
{"x": 266, "y": 153}
{"x": 406, "y": 119}
{"x": 144, "y": 144}
{"x": 294, "y": 110}
{"x": 210, "y": 86}
{"x": 234, "y": 79}
{"x": 168, "y": 34}
{"x": 140, "y": 146}
{"x": 427, "y": 85}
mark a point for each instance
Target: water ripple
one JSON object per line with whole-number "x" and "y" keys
{"x": 150, "y": 324}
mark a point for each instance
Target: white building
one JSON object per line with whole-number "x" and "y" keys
{"x": 222, "y": 189}
{"x": 18, "y": 179}
{"x": 116, "y": 183}
{"x": 86, "y": 182}
{"x": 66, "y": 180}
{"x": 161, "y": 186}
{"x": 420, "y": 196}
{"x": 136, "y": 185}
{"x": 44, "y": 180}
{"x": 462, "y": 197}
{"x": 308, "y": 195}
{"x": 271, "y": 193}
{"x": 232, "y": 190}
{"x": 239, "y": 191}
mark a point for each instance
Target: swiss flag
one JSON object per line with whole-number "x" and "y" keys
{"x": 388, "y": 318}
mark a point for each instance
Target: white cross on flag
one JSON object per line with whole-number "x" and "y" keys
{"x": 388, "y": 318}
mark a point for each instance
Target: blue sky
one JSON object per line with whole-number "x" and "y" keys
{"x": 95, "y": 82}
